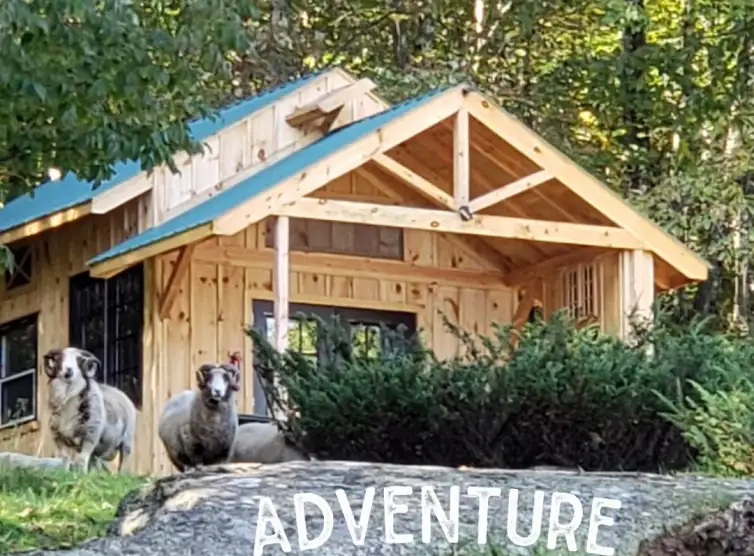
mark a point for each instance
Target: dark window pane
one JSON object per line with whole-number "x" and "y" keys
{"x": 106, "y": 318}
{"x": 16, "y": 398}
{"x": 21, "y": 346}
{"x": 340, "y": 238}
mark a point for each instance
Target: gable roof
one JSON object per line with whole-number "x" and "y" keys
{"x": 206, "y": 212}
{"x": 70, "y": 191}
{"x": 351, "y": 146}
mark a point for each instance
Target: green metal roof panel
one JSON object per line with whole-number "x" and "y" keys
{"x": 70, "y": 191}
{"x": 283, "y": 169}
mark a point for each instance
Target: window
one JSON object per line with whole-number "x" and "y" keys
{"x": 363, "y": 326}
{"x": 341, "y": 238}
{"x": 580, "y": 292}
{"x": 18, "y": 370}
{"x": 20, "y": 272}
{"x": 106, "y": 318}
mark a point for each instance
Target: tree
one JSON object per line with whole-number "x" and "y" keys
{"x": 85, "y": 84}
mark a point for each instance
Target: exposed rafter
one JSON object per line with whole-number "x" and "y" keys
{"x": 461, "y": 163}
{"x": 507, "y": 191}
{"x": 417, "y": 182}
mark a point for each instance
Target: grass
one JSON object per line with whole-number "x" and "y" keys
{"x": 57, "y": 509}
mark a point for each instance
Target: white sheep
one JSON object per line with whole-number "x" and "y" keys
{"x": 77, "y": 407}
{"x": 198, "y": 427}
{"x": 262, "y": 443}
{"x": 84, "y": 411}
{"x": 118, "y": 434}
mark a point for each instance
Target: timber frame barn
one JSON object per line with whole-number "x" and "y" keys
{"x": 315, "y": 196}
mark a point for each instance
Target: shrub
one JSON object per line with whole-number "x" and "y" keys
{"x": 563, "y": 396}
{"x": 720, "y": 426}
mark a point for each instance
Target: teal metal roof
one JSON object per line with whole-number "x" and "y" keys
{"x": 70, "y": 191}
{"x": 283, "y": 169}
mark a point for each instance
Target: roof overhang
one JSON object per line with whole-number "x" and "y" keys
{"x": 281, "y": 187}
{"x": 63, "y": 201}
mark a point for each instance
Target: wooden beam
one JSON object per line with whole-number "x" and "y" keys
{"x": 346, "y": 265}
{"x": 521, "y": 275}
{"x": 120, "y": 194}
{"x": 329, "y": 102}
{"x": 444, "y": 221}
{"x": 637, "y": 289}
{"x": 461, "y": 156}
{"x": 340, "y": 162}
{"x": 180, "y": 268}
{"x": 111, "y": 267}
{"x": 45, "y": 223}
{"x": 422, "y": 185}
{"x": 507, "y": 191}
{"x": 281, "y": 275}
{"x": 586, "y": 186}
{"x": 475, "y": 248}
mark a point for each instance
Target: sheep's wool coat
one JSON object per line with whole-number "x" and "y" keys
{"x": 77, "y": 413}
{"x": 194, "y": 434}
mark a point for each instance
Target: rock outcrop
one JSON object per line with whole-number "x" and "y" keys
{"x": 235, "y": 509}
{"x": 13, "y": 459}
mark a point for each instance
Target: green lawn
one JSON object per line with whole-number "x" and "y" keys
{"x": 55, "y": 509}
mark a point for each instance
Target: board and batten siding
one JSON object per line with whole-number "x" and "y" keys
{"x": 214, "y": 303}
{"x": 263, "y": 137}
{"x": 57, "y": 255}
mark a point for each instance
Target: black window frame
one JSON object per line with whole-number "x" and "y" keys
{"x": 262, "y": 310}
{"x": 121, "y": 353}
{"x": 30, "y": 373}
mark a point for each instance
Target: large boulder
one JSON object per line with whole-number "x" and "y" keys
{"x": 235, "y": 509}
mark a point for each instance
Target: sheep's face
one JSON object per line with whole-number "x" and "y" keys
{"x": 70, "y": 365}
{"x": 217, "y": 382}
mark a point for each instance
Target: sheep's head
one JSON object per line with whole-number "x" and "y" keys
{"x": 70, "y": 364}
{"x": 218, "y": 382}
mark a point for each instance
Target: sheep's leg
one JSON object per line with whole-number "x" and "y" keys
{"x": 125, "y": 451}
{"x": 85, "y": 455}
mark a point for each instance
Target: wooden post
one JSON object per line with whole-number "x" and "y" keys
{"x": 461, "y": 162}
{"x": 282, "y": 277}
{"x": 637, "y": 289}
{"x": 281, "y": 290}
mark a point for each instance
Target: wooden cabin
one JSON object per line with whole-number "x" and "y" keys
{"x": 316, "y": 196}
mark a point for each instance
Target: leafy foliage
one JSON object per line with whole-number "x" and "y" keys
{"x": 88, "y": 83}
{"x": 563, "y": 396}
{"x": 720, "y": 427}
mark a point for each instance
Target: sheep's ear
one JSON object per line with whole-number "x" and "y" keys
{"x": 201, "y": 374}
{"x": 52, "y": 362}
{"x": 234, "y": 377}
{"x": 89, "y": 364}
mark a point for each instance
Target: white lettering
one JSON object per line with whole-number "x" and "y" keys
{"x": 358, "y": 532}
{"x": 299, "y": 500}
{"x": 392, "y": 508}
{"x": 595, "y": 520}
{"x": 536, "y": 522}
{"x": 267, "y": 514}
{"x": 450, "y": 524}
{"x": 566, "y": 530}
{"x": 484, "y": 494}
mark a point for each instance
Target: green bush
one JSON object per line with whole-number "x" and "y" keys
{"x": 563, "y": 396}
{"x": 720, "y": 427}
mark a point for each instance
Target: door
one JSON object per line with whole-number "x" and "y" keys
{"x": 362, "y": 325}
